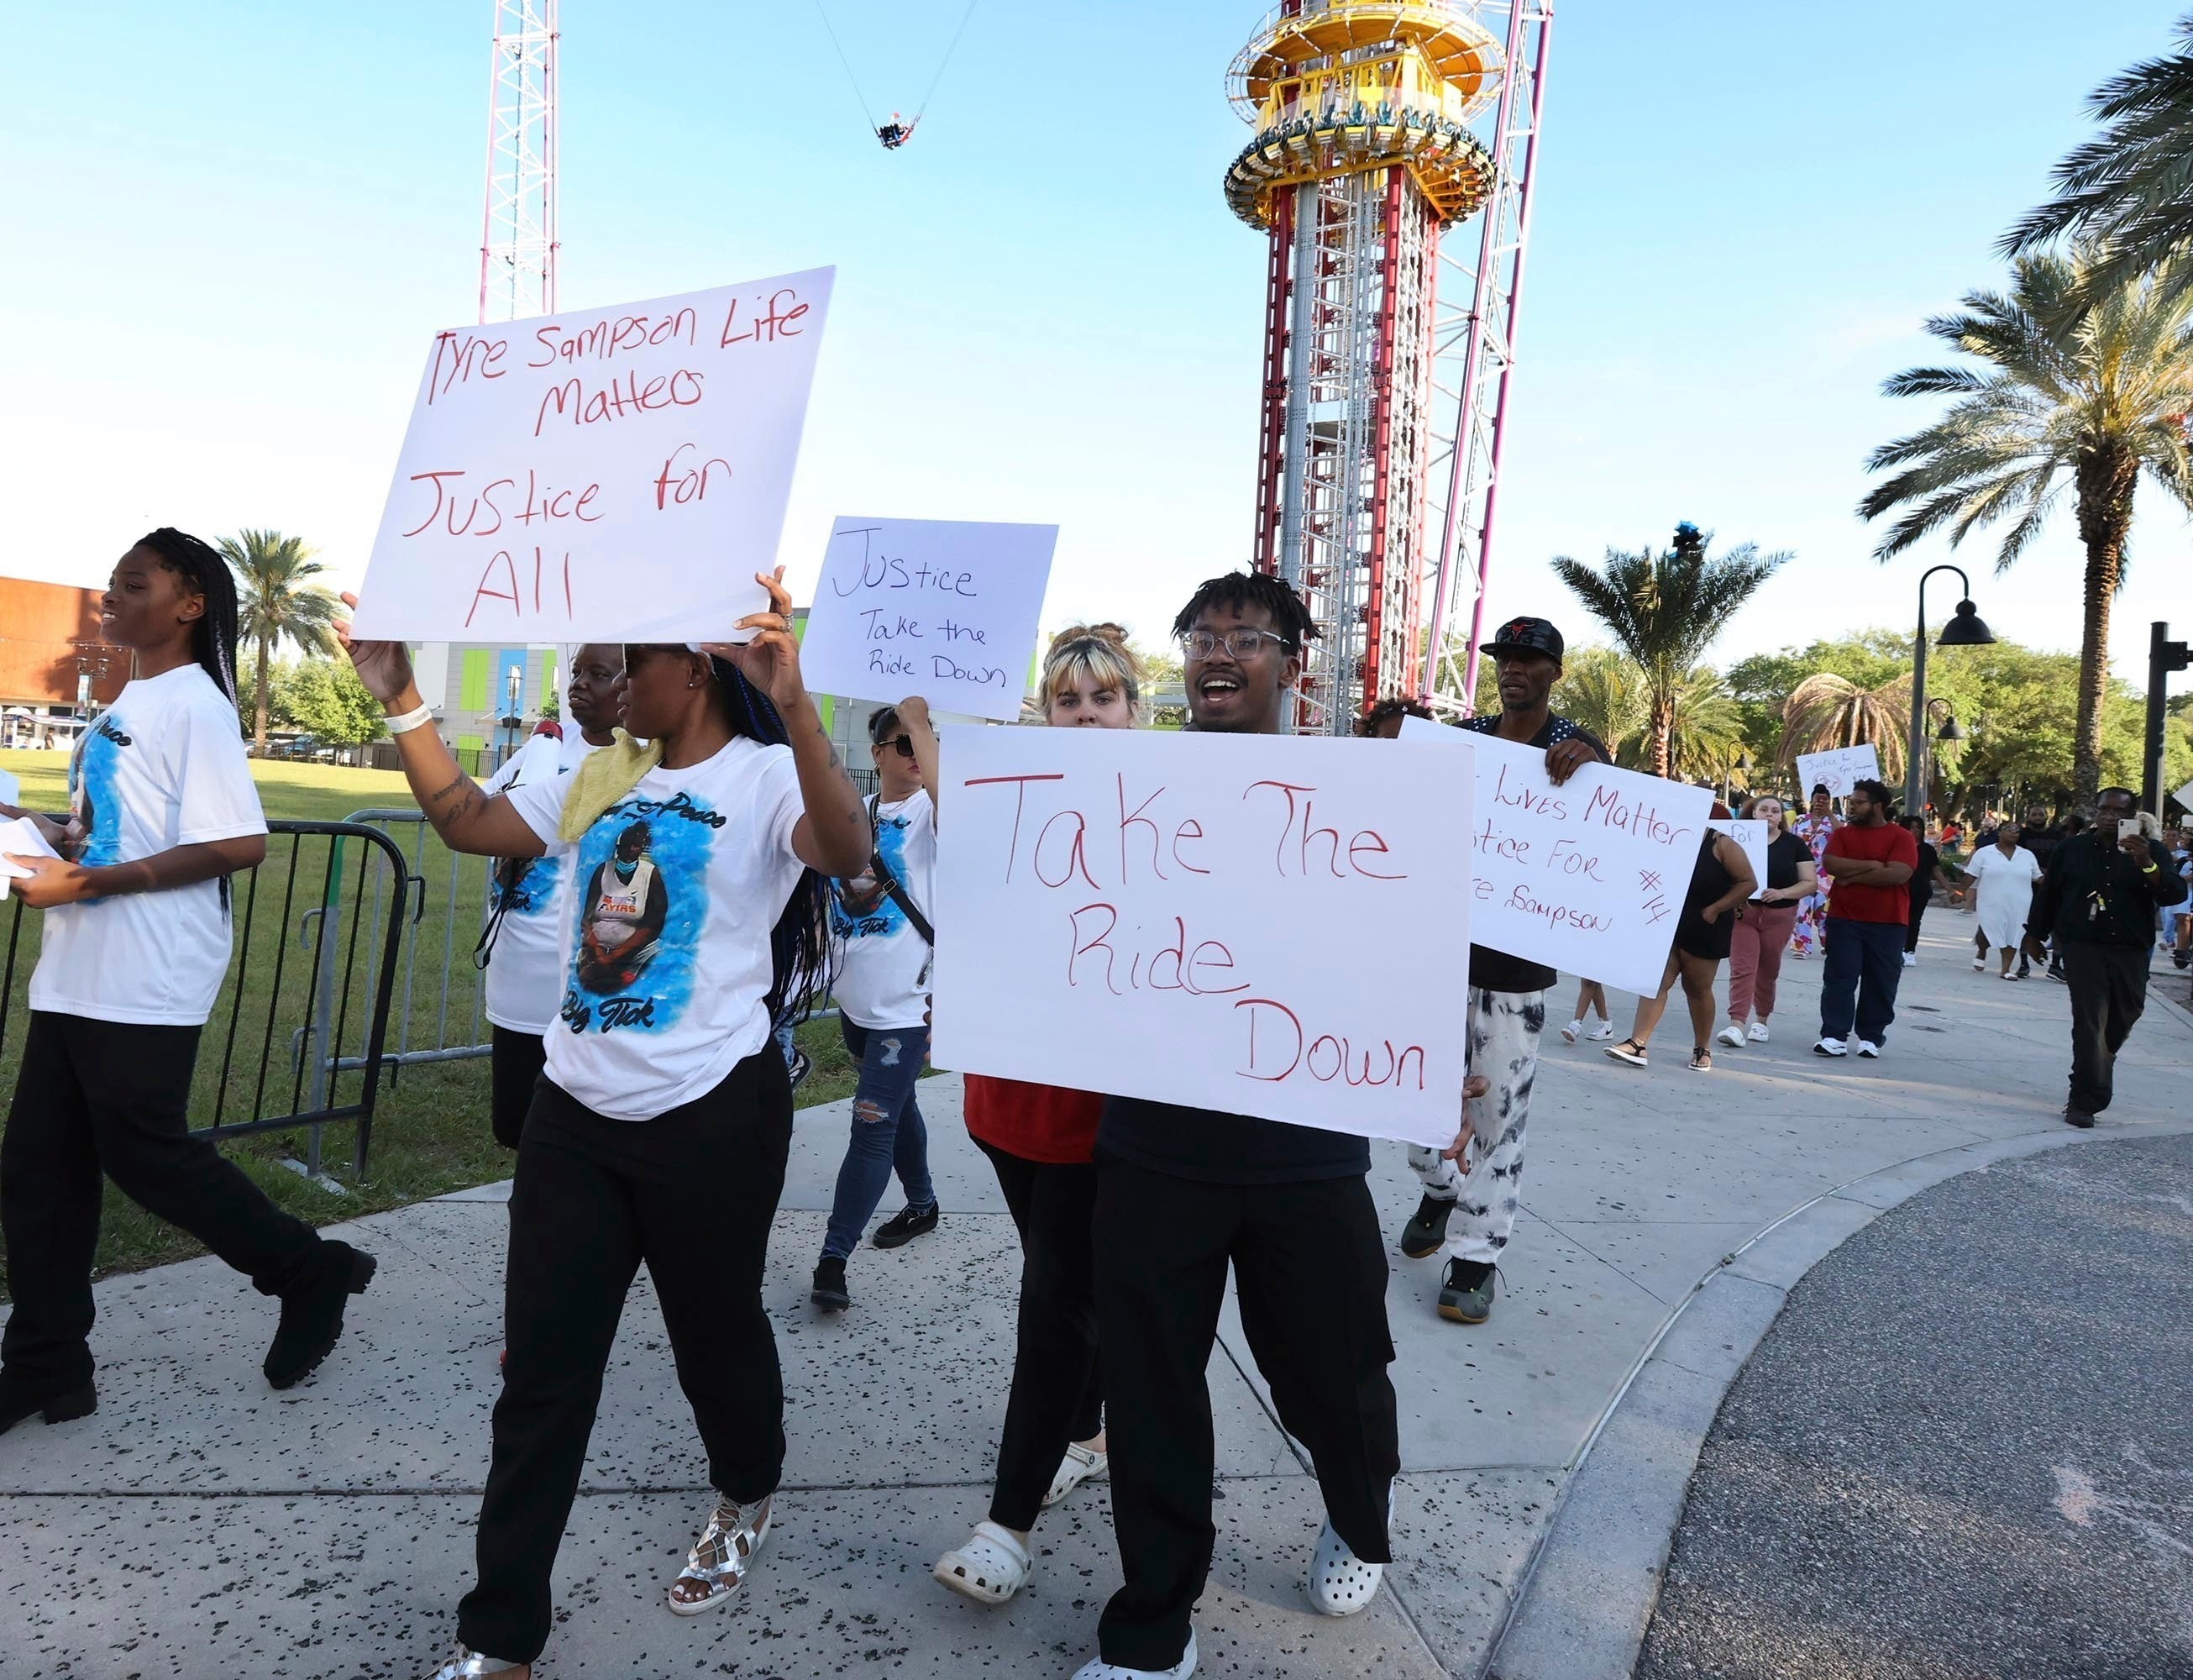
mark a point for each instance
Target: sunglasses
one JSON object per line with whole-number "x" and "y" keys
{"x": 903, "y": 743}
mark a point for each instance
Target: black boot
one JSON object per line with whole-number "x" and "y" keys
{"x": 18, "y": 1400}
{"x": 312, "y": 1315}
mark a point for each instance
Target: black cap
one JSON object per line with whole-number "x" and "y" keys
{"x": 1526, "y": 635}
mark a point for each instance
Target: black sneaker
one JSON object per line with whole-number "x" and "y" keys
{"x": 829, "y": 1291}
{"x": 904, "y": 1226}
{"x": 1426, "y": 1232}
{"x": 2182, "y": 959}
{"x": 313, "y": 1316}
{"x": 19, "y": 1400}
{"x": 2079, "y": 1118}
{"x": 1466, "y": 1293}
{"x": 801, "y": 1067}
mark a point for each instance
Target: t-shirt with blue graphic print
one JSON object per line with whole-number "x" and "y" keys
{"x": 525, "y": 965}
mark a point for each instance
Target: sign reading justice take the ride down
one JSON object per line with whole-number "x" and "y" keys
{"x": 609, "y": 475}
{"x": 1259, "y": 924}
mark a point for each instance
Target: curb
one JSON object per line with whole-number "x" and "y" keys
{"x": 1588, "y": 1592}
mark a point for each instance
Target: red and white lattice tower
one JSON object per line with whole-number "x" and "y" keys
{"x": 1380, "y": 125}
{"x": 518, "y": 222}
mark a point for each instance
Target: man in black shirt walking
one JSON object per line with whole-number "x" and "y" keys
{"x": 2099, "y": 900}
{"x": 1182, "y": 1192}
{"x": 1507, "y": 1013}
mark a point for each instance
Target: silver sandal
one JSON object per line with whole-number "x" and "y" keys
{"x": 720, "y": 1558}
{"x": 471, "y": 1665}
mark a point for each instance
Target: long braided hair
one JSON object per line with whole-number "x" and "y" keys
{"x": 800, "y": 943}
{"x": 200, "y": 565}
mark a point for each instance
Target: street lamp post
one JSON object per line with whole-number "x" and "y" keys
{"x": 1965, "y": 629}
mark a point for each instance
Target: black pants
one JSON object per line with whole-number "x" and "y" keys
{"x": 1309, "y": 1265}
{"x": 1058, "y": 1393}
{"x": 1863, "y": 967}
{"x": 692, "y": 1193}
{"x": 1918, "y": 912}
{"x": 94, "y": 1096}
{"x": 515, "y": 1064}
{"x": 2108, "y": 985}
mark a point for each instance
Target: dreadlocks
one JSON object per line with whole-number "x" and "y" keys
{"x": 200, "y": 565}
{"x": 1289, "y": 617}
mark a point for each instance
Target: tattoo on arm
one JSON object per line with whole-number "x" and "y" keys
{"x": 444, "y": 793}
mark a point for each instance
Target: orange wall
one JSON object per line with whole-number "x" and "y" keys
{"x": 42, "y": 627}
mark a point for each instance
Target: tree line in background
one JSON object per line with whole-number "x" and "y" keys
{"x": 278, "y": 603}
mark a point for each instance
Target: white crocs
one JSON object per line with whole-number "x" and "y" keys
{"x": 1098, "y": 1669}
{"x": 1079, "y": 1463}
{"x": 1339, "y": 1583}
{"x": 989, "y": 1568}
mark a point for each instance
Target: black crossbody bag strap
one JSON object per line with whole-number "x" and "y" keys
{"x": 894, "y": 888}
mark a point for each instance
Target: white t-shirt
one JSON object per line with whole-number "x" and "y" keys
{"x": 665, "y": 948}
{"x": 525, "y": 966}
{"x": 164, "y": 767}
{"x": 882, "y": 962}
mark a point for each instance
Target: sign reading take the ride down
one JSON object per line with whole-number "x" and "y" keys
{"x": 1588, "y": 876}
{"x": 934, "y": 607}
{"x": 601, "y": 475}
{"x": 1838, "y": 771}
{"x": 1263, "y": 925}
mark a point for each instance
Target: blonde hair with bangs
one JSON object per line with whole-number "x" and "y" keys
{"x": 1098, "y": 651}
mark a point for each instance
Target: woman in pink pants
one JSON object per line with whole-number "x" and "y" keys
{"x": 1755, "y": 956}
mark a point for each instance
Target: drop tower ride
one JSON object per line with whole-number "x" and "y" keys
{"x": 1380, "y": 126}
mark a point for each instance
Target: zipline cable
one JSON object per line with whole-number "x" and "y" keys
{"x": 856, "y": 81}
{"x": 948, "y": 51}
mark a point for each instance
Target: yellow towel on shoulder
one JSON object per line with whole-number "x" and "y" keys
{"x": 602, "y": 779}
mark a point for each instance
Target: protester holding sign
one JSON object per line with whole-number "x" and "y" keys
{"x": 1041, "y": 1140}
{"x": 881, "y": 941}
{"x": 1181, "y": 1193}
{"x": 1871, "y": 862}
{"x": 530, "y": 901}
{"x": 1507, "y": 1011}
{"x": 1757, "y": 941}
{"x": 1815, "y": 827}
{"x": 134, "y": 945}
{"x": 1719, "y": 885}
{"x": 660, "y": 1129}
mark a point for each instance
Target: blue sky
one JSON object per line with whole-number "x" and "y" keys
{"x": 231, "y": 228}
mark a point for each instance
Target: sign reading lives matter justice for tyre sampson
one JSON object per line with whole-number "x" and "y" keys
{"x": 608, "y": 474}
{"x": 932, "y": 607}
{"x": 1265, "y": 925}
{"x": 1588, "y": 876}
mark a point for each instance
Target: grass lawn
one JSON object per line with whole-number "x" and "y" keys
{"x": 430, "y": 1127}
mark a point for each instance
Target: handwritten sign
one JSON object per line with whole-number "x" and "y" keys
{"x": 604, "y": 475}
{"x": 1750, "y": 833}
{"x": 933, "y": 607}
{"x": 1235, "y": 922}
{"x": 1588, "y": 876}
{"x": 1839, "y": 770}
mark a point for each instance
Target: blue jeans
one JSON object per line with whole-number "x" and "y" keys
{"x": 1864, "y": 966}
{"x": 888, "y": 1134}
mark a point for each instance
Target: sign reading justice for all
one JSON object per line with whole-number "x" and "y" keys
{"x": 606, "y": 475}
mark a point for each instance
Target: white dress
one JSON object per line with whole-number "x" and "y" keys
{"x": 2005, "y": 890}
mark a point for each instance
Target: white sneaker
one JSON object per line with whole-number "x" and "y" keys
{"x": 1098, "y": 1669}
{"x": 1574, "y": 1030}
{"x": 1732, "y": 1035}
{"x": 1602, "y": 1030}
{"x": 1868, "y": 1048}
{"x": 1830, "y": 1046}
{"x": 1758, "y": 1032}
{"x": 1339, "y": 1583}
{"x": 1911, "y": 959}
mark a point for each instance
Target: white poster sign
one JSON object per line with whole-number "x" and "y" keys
{"x": 934, "y": 607}
{"x": 1588, "y": 876}
{"x": 2184, "y": 797}
{"x": 602, "y": 475}
{"x": 1260, "y": 925}
{"x": 1750, "y": 833}
{"x": 1839, "y": 770}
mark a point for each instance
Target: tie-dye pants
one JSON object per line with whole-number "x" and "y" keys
{"x": 1503, "y": 1046}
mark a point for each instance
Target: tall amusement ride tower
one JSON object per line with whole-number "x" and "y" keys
{"x": 1380, "y": 126}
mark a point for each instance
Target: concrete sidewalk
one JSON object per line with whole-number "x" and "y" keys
{"x": 200, "y": 1525}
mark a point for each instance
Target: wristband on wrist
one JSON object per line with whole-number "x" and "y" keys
{"x": 400, "y": 723}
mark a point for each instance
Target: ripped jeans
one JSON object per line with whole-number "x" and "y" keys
{"x": 888, "y": 1132}
{"x": 1503, "y": 1045}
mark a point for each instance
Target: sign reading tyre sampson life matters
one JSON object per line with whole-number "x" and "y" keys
{"x": 1260, "y": 924}
{"x": 612, "y": 474}
{"x": 1588, "y": 876}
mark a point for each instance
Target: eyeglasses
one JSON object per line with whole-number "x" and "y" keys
{"x": 1239, "y": 644}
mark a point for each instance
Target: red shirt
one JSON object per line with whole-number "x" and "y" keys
{"x": 1036, "y": 1122}
{"x": 1890, "y": 843}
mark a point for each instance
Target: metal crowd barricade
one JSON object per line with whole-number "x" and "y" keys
{"x": 302, "y": 895}
{"x": 426, "y": 855}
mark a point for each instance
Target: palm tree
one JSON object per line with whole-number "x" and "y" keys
{"x": 1601, "y": 690}
{"x": 2128, "y": 188}
{"x": 1662, "y": 610}
{"x": 2079, "y": 381}
{"x": 1707, "y": 730}
{"x": 276, "y": 601}
{"x": 1826, "y": 711}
